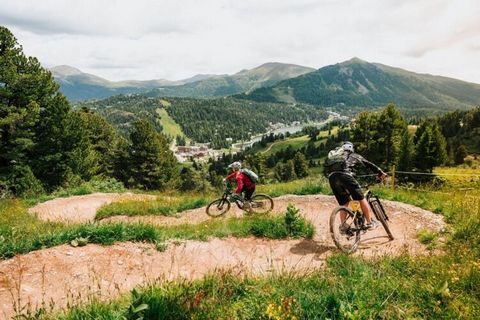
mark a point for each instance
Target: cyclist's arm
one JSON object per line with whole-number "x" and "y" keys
{"x": 239, "y": 184}
{"x": 230, "y": 176}
{"x": 370, "y": 165}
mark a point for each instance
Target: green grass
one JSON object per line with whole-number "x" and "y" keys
{"x": 163, "y": 205}
{"x": 442, "y": 286}
{"x": 170, "y": 127}
{"x": 310, "y": 185}
{"x": 349, "y": 288}
{"x": 94, "y": 185}
{"x": 426, "y": 236}
{"x": 22, "y": 233}
{"x": 460, "y": 177}
{"x": 295, "y": 143}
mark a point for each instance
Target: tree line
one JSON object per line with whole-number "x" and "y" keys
{"x": 45, "y": 144}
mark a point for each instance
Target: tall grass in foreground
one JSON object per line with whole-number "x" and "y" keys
{"x": 349, "y": 288}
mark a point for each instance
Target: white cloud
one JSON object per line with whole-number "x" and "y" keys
{"x": 177, "y": 39}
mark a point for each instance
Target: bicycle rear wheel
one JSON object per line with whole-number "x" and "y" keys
{"x": 381, "y": 215}
{"x": 344, "y": 229}
{"x": 218, "y": 207}
{"x": 261, "y": 203}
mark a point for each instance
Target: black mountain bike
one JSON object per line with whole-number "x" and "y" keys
{"x": 347, "y": 224}
{"x": 260, "y": 203}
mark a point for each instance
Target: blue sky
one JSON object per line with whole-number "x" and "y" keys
{"x": 146, "y": 39}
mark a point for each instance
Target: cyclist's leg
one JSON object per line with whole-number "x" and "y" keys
{"x": 357, "y": 194}
{"x": 366, "y": 210}
{"x": 249, "y": 193}
{"x": 340, "y": 192}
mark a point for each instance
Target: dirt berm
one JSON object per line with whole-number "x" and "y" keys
{"x": 66, "y": 276}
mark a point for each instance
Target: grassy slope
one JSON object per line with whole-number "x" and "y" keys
{"x": 170, "y": 127}
{"x": 295, "y": 142}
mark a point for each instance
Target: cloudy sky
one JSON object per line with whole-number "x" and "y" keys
{"x": 174, "y": 39}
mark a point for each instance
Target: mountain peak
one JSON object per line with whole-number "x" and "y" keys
{"x": 66, "y": 70}
{"x": 356, "y": 82}
{"x": 354, "y": 60}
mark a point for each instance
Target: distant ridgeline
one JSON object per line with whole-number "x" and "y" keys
{"x": 204, "y": 120}
{"x": 77, "y": 85}
{"x": 357, "y": 83}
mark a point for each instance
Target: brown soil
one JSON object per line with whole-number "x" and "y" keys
{"x": 67, "y": 276}
{"x": 80, "y": 209}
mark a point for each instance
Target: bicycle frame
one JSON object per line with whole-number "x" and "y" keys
{"x": 228, "y": 192}
{"x": 373, "y": 201}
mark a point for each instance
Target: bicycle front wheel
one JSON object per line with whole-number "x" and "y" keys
{"x": 381, "y": 216}
{"x": 218, "y": 207}
{"x": 261, "y": 203}
{"x": 344, "y": 229}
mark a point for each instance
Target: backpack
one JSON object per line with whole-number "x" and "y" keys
{"x": 335, "y": 161}
{"x": 251, "y": 175}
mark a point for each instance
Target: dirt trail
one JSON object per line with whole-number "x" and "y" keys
{"x": 68, "y": 275}
{"x": 79, "y": 209}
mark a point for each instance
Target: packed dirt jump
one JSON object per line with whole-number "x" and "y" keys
{"x": 64, "y": 276}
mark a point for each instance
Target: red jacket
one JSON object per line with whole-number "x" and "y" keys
{"x": 242, "y": 181}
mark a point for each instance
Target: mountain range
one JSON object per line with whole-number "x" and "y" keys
{"x": 244, "y": 81}
{"x": 77, "y": 85}
{"x": 362, "y": 84}
{"x": 352, "y": 83}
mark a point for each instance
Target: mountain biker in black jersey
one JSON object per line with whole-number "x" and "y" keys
{"x": 344, "y": 185}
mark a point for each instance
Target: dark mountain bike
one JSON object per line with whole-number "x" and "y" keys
{"x": 347, "y": 224}
{"x": 260, "y": 203}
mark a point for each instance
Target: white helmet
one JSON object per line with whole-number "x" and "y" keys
{"x": 347, "y": 146}
{"x": 236, "y": 165}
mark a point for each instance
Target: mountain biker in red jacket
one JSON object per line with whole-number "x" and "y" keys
{"x": 244, "y": 183}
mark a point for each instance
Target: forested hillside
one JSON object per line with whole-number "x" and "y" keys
{"x": 204, "y": 120}
{"x": 357, "y": 83}
{"x": 46, "y": 145}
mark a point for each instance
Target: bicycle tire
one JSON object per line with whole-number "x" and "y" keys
{"x": 348, "y": 242}
{"x": 222, "y": 204}
{"x": 261, "y": 203}
{"x": 379, "y": 213}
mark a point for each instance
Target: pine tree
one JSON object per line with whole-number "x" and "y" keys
{"x": 378, "y": 135}
{"x": 391, "y": 128}
{"x": 188, "y": 179}
{"x": 430, "y": 150}
{"x": 153, "y": 165}
{"x": 103, "y": 138}
{"x": 300, "y": 165}
{"x": 35, "y": 122}
{"x": 407, "y": 152}
{"x": 460, "y": 154}
{"x": 257, "y": 163}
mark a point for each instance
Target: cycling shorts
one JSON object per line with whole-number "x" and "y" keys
{"x": 343, "y": 186}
